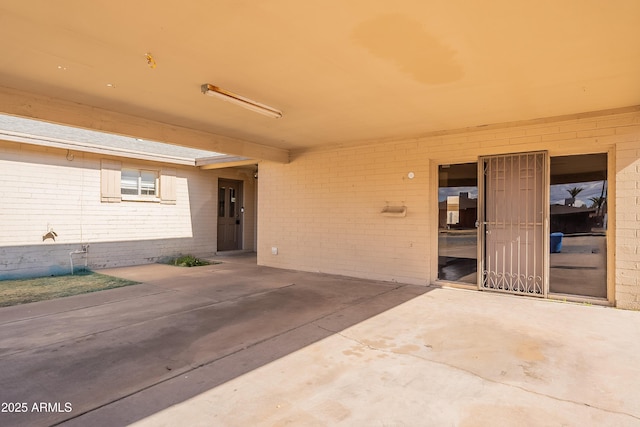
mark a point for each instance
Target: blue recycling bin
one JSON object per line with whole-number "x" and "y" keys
{"x": 556, "y": 242}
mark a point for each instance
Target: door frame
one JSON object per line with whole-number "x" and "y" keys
{"x": 570, "y": 149}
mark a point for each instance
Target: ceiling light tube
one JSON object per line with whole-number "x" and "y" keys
{"x": 247, "y": 103}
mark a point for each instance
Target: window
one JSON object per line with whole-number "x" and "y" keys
{"x": 138, "y": 183}
{"x": 129, "y": 184}
{"x": 457, "y": 233}
{"x": 578, "y": 225}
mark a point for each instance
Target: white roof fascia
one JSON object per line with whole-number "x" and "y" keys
{"x": 89, "y": 148}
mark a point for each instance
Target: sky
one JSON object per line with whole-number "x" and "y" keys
{"x": 557, "y": 193}
{"x": 444, "y": 192}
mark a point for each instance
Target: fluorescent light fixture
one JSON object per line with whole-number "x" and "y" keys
{"x": 247, "y": 103}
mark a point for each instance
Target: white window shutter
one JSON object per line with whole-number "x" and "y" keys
{"x": 110, "y": 181}
{"x": 168, "y": 186}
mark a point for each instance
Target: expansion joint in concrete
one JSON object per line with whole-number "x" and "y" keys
{"x": 475, "y": 374}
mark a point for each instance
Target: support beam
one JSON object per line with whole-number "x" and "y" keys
{"x": 25, "y": 104}
{"x": 224, "y": 162}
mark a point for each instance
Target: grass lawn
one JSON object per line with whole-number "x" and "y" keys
{"x": 22, "y": 291}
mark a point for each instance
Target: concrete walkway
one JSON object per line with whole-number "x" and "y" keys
{"x": 236, "y": 344}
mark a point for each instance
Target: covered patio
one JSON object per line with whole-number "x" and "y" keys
{"x": 238, "y": 344}
{"x": 333, "y": 127}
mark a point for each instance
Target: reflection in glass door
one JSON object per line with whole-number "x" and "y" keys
{"x": 519, "y": 252}
{"x": 457, "y": 216}
{"x": 578, "y": 225}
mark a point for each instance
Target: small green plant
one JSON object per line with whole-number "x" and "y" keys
{"x": 189, "y": 261}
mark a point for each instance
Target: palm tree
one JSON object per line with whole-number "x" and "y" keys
{"x": 573, "y": 192}
{"x": 598, "y": 203}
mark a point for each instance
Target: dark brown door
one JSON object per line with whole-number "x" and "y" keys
{"x": 229, "y": 215}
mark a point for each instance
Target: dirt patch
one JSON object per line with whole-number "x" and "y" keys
{"x": 22, "y": 291}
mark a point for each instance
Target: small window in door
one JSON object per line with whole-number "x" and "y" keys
{"x": 232, "y": 202}
{"x": 221, "y": 197}
{"x": 457, "y": 215}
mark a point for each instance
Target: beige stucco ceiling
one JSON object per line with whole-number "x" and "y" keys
{"x": 341, "y": 71}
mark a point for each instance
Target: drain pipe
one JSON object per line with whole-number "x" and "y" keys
{"x": 84, "y": 250}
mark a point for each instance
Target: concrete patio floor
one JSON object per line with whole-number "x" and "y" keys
{"x": 235, "y": 344}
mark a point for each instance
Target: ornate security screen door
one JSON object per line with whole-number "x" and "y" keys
{"x": 513, "y": 221}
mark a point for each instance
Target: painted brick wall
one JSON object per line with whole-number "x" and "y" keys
{"x": 42, "y": 189}
{"x": 325, "y": 215}
{"x": 627, "y": 261}
{"x": 322, "y": 210}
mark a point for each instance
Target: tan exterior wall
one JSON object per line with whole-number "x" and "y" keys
{"x": 45, "y": 188}
{"x": 322, "y": 211}
{"x": 627, "y": 233}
